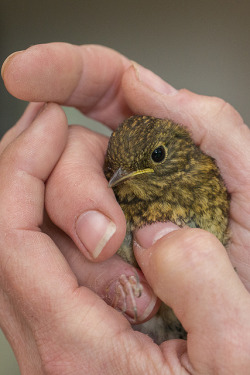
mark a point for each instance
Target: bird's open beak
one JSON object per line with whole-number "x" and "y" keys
{"x": 122, "y": 175}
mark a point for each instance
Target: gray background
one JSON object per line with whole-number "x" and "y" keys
{"x": 199, "y": 45}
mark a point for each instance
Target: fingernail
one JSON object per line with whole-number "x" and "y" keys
{"x": 153, "y": 81}
{"x": 147, "y": 236}
{"x": 7, "y": 60}
{"x": 94, "y": 231}
{"x": 137, "y": 307}
{"x": 144, "y": 306}
{"x": 150, "y": 303}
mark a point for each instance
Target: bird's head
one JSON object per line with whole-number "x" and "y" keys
{"x": 145, "y": 154}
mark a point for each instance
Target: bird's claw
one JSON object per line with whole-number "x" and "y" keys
{"x": 127, "y": 289}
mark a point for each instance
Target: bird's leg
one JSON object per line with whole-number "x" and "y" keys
{"x": 127, "y": 289}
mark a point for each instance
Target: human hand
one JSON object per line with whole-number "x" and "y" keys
{"x": 50, "y": 322}
{"x": 170, "y": 104}
{"x": 77, "y": 188}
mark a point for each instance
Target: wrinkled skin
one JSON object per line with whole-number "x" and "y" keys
{"x": 49, "y": 313}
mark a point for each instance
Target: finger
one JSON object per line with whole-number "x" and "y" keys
{"x": 106, "y": 279}
{"x": 87, "y": 77}
{"x": 13, "y": 161}
{"x": 190, "y": 271}
{"x": 78, "y": 199}
{"x": 24, "y": 166}
{"x": 24, "y": 122}
{"x": 35, "y": 278}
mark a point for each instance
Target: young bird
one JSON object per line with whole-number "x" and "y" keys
{"x": 159, "y": 174}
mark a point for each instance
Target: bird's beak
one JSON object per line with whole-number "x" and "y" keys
{"x": 122, "y": 175}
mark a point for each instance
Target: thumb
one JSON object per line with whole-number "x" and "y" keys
{"x": 190, "y": 271}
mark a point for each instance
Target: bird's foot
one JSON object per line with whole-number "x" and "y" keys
{"x": 128, "y": 288}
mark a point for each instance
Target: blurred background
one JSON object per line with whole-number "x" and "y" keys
{"x": 199, "y": 45}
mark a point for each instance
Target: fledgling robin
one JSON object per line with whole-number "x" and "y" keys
{"x": 159, "y": 174}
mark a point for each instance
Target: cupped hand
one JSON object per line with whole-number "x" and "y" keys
{"x": 106, "y": 86}
{"x": 53, "y": 325}
{"x": 78, "y": 199}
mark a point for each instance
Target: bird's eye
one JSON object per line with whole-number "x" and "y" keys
{"x": 158, "y": 154}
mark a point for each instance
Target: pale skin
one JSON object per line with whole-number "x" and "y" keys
{"x": 49, "y": 313}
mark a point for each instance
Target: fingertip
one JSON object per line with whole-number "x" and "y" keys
{"x": 92, "y": 218}
{"x": 102, "y": 226}
{"x": 53, "y": 119}
{"x": 39, "y": 147}
{"x": 100, "y": 231}
{"x": 79, "y": 201}
{"x": 146, "y": 236}
{"x": 189, "y": 270}
{"x": 7, "y": 62}
{"x": 42, "y": 72}
{"x": 94, "y": 230}
{"x": 176, "y": 252}
{"x": 54, "y": 110}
